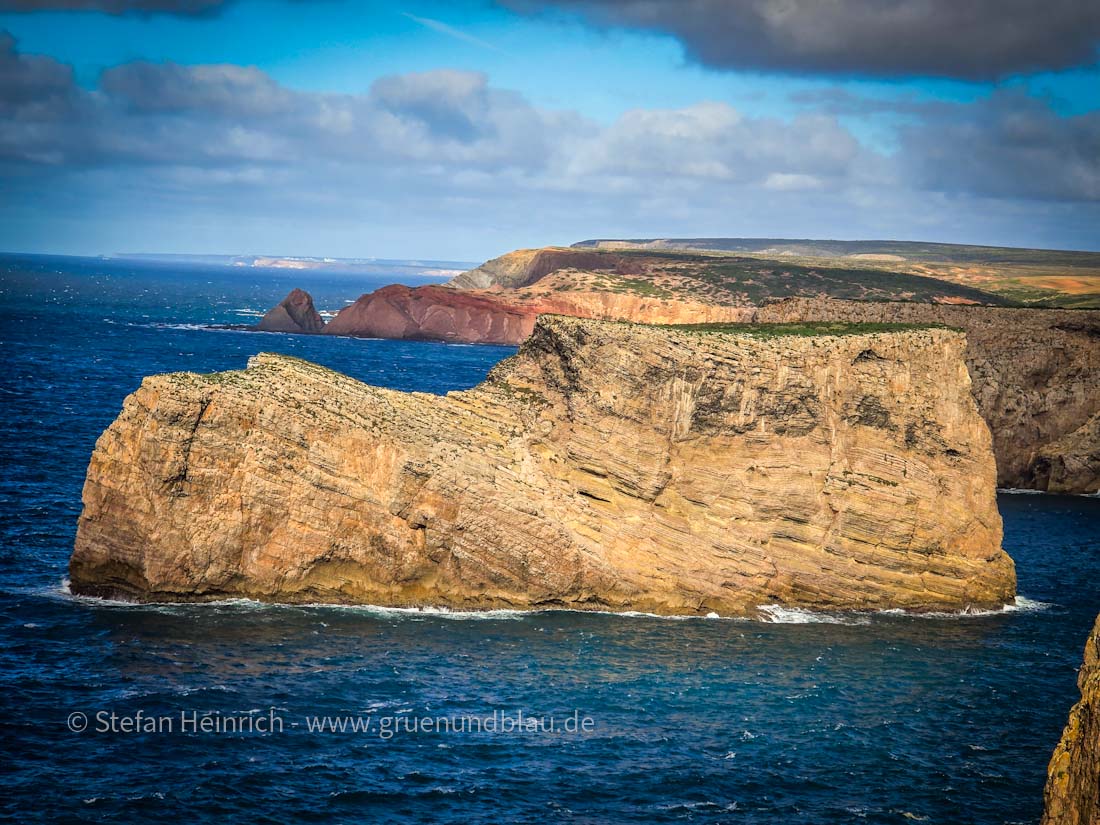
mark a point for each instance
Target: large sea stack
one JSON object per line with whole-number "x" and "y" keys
{"x": 606, "y": 466}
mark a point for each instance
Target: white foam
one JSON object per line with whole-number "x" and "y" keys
{"x": 370, "y": 609}
{"x": 1021, "y": 604}
{"x": 1014, "y": 491}
{"x": 768, "y": 613}
{"x": 777, "y": 614}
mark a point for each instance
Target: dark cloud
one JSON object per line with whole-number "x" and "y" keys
{"x": 223, "y": 89}
{"x": 1009, "y": 146}
{"x": 30, "y": 80}
{"x": 971, "y": 39}
{"x": 181, "y": 7}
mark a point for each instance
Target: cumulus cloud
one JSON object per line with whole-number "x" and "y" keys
{"x": 714, "y": 142}
{"x": 975, "y": 39}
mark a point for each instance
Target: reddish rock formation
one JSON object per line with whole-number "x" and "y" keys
{"x": 434, "y": 313}
{"x": 295, "y": 313}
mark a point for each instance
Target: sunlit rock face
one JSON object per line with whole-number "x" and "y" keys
{"x": 606, "y": 466}
{"x": 1036, "y": 375}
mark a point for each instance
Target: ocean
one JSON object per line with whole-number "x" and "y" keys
{"x": 283, "y": 714}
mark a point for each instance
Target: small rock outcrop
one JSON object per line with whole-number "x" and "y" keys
{"x": 1072, "y": 795}
{"x": 295, "y": 313}
{"x": 606, "y": 466}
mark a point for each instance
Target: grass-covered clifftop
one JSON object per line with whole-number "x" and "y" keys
{"x": 1033, "y": 277}
{"x": 709, "y": 277}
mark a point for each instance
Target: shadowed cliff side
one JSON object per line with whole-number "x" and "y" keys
{"x": 1072, "y": 793}
{"x": 606, "y": 466}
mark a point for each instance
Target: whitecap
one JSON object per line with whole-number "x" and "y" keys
{"x": 1021, "y": 604}
{"x": 777, "y": 614}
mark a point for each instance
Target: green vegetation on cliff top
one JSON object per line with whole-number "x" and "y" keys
{"x": 803, "y": 328}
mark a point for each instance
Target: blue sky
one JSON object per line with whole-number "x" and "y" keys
{"x": 630, "y": 129}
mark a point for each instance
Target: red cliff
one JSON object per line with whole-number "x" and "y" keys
{"x": 434, "y": 313}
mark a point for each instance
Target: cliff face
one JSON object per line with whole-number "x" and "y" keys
{"x": 1073, "y": 779}
{"x": 433, "y": 313}
{"x": 526, "y": 266}
{"x": 295, "y": 313}
{"x": 1035, "y": 372}
{"x": 606, "y": 466}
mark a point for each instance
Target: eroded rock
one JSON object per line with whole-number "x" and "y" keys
{"x": 606, "y": 466}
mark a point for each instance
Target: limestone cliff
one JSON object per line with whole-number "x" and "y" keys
{"x": 1073, "y": 779}
{"x": 295, "y": 313}
{"x": 1070, "y": 464}
{"x": 1036, "y": 376}
{"x": 606, "y": 466}
{"x": 526, "y": 266}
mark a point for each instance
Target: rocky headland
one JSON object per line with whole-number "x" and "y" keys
{"x": 606, "y": 466}
{"x": 1072, "y": 794}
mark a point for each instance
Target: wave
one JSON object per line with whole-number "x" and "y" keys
{"x": 1021, "y": 604}
{"x": 777, "y": 614}
{"x": 1018, "y": 491}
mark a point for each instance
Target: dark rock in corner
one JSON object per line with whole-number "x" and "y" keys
{"x": 295, "y": 313}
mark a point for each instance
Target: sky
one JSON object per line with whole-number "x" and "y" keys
{"x": 460, "y": 130}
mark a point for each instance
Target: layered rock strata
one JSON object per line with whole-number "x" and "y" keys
{"x": 1036, "y": 375}
{"x": 1072, "y": 793}
{"x": 606, "y": 466}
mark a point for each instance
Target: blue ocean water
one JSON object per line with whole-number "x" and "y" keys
{"x": 802, "y": 719}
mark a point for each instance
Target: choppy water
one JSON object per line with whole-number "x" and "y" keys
{"x": 801, "y": 719}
